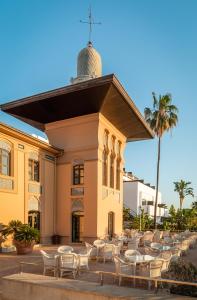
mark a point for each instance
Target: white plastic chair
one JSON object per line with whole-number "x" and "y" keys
{"x": 65, "y": 249}
{"x": 152, "y": 269}
{"x": 68, "y": 263}
{"x": 99, "y": 244}
{"x": 108, "y": 252}
{"x": 121, "y": 267}
{"x": 50, "y": 262}
{"x": 83, "y": 260}
{"x": 133, "y": 243}
{"x": 93, "y": 252}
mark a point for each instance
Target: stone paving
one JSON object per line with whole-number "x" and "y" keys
{"x": 10, "y": 264}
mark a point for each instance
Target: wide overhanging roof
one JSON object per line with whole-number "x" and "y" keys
{"x": 104, "y": 94}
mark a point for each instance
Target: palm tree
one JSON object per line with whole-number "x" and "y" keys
{"x": 183, "y": 189}
{"x": 161, "y": 118}
{"x": 194, "y": 205}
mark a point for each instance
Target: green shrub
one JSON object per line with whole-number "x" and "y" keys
{"x": 182, "y": 271}
{"x": 25, "y": 233}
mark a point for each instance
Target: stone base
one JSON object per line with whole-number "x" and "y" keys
{"x": 30, "y": 286}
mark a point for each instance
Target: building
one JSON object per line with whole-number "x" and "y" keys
{"x": 138, "y": 195}
{"x": 74, "y": 186}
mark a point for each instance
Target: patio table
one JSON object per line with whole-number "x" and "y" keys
{"x": 162, "y": 247}
{"x": 140, "y": 258}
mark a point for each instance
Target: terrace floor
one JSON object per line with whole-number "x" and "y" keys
{"x": 10, "y": 264}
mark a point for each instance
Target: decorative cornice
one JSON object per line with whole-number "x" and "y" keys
{"x": 15, "y": 133}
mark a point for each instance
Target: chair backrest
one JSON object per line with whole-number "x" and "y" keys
{"x": 109, "y": 249}
{"x": 157, "y": 236}
{"x": 155, "y": 245}
{"x": 133, "y": 244}
{"x": 44, "y": 254}
{"x": 148, "y": 236}
{"x": 131, "y": 253}
{"x": 99, "y": 243}
{"x": 88, "y": 246}
{"x": 49, "y": 259}
{"x": 64, "y": 249}
{"x": 69, "y": 260}
{"x": 166, "y": 233}
{"x": 156, "y": 267}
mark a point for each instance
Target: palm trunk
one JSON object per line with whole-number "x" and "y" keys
{"x": 181, "y": 202}
{"x": 157, "y": 183}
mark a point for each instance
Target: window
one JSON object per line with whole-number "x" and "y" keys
{"x": 105, "y": 168}
{"x": 112, "y": 171}
{"x": 5, "y": 158}
{"x": 118, "y": 174}
{"x": 105, "y": 138}
{"x": 34, "y": 170}
{"x": 78, "y": 174}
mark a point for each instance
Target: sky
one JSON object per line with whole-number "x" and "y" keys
{"x": 151, "y": 45}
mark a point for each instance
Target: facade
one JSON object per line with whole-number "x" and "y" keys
{"x": 27, "y": 180}
{"x": 138, "y": 196}
{"x": 82, "y": 187}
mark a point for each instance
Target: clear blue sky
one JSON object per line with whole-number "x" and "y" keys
{"x": 150, "y": 45}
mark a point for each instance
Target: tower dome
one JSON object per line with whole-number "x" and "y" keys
{"x": 89, "y": 64}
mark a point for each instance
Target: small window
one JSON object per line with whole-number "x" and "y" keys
{"x": 105, "y": 166}
{"x": 118, "y": 175}
{"x": 144, "y": 202}
{"x": 5, "y": 162}
{"x": 34, "y": 174}
{"x": 78, "y": 174}
{"x": 112, "y": 171}
{"x": 150, "y": 203}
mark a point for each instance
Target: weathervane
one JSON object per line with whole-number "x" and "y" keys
{"x": 90, "y": 22}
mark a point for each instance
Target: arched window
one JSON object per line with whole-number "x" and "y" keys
{"x": 5, "y": 159}
{"x": 34, "y": 173}
{"x": 105, "y": 166}
{"x": 118, "y": 174}
{"x": 112, "y": 171}
{"x": 105, "y": 139}
{"x": 78, "y": 174}
{"x": 118, "y": 161}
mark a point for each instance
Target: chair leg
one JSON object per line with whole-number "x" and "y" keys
{"x": 149, "y": 284}
{"x": 120, "y": 280}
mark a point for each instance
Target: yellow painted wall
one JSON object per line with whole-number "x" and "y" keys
{"x": 82, "y": 139}
{"x": 14, "y": 203}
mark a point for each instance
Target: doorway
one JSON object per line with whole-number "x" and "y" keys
{"x": 77, "y": 226}
{"x": 110, "y": 224}
{"x": 34, "y": 219}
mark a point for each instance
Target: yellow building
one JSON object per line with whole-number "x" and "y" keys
{"x": 76, "y": 187}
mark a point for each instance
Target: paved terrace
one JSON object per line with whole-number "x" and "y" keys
{"x": 10, "y": 264}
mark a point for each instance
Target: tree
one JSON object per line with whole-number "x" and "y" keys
{"x": 161, "y": 118}
{"x": 126, "y": 214}
{"x": 194, "y": 205}
{"x": 183, "y": 189}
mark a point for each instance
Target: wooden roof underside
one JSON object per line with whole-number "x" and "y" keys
{"x": 104, "y": 95}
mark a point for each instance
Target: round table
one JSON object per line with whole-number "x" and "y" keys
{"x": 162, "y": 248}
{"x": 140, "y": 258}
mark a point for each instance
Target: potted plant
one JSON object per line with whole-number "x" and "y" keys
{"x": 11, "y": 228}
{"x": 25, "y": 238}
{"x": 2, "y": 238}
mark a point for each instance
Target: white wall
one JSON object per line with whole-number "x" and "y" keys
{"x": 135, "y": 192}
